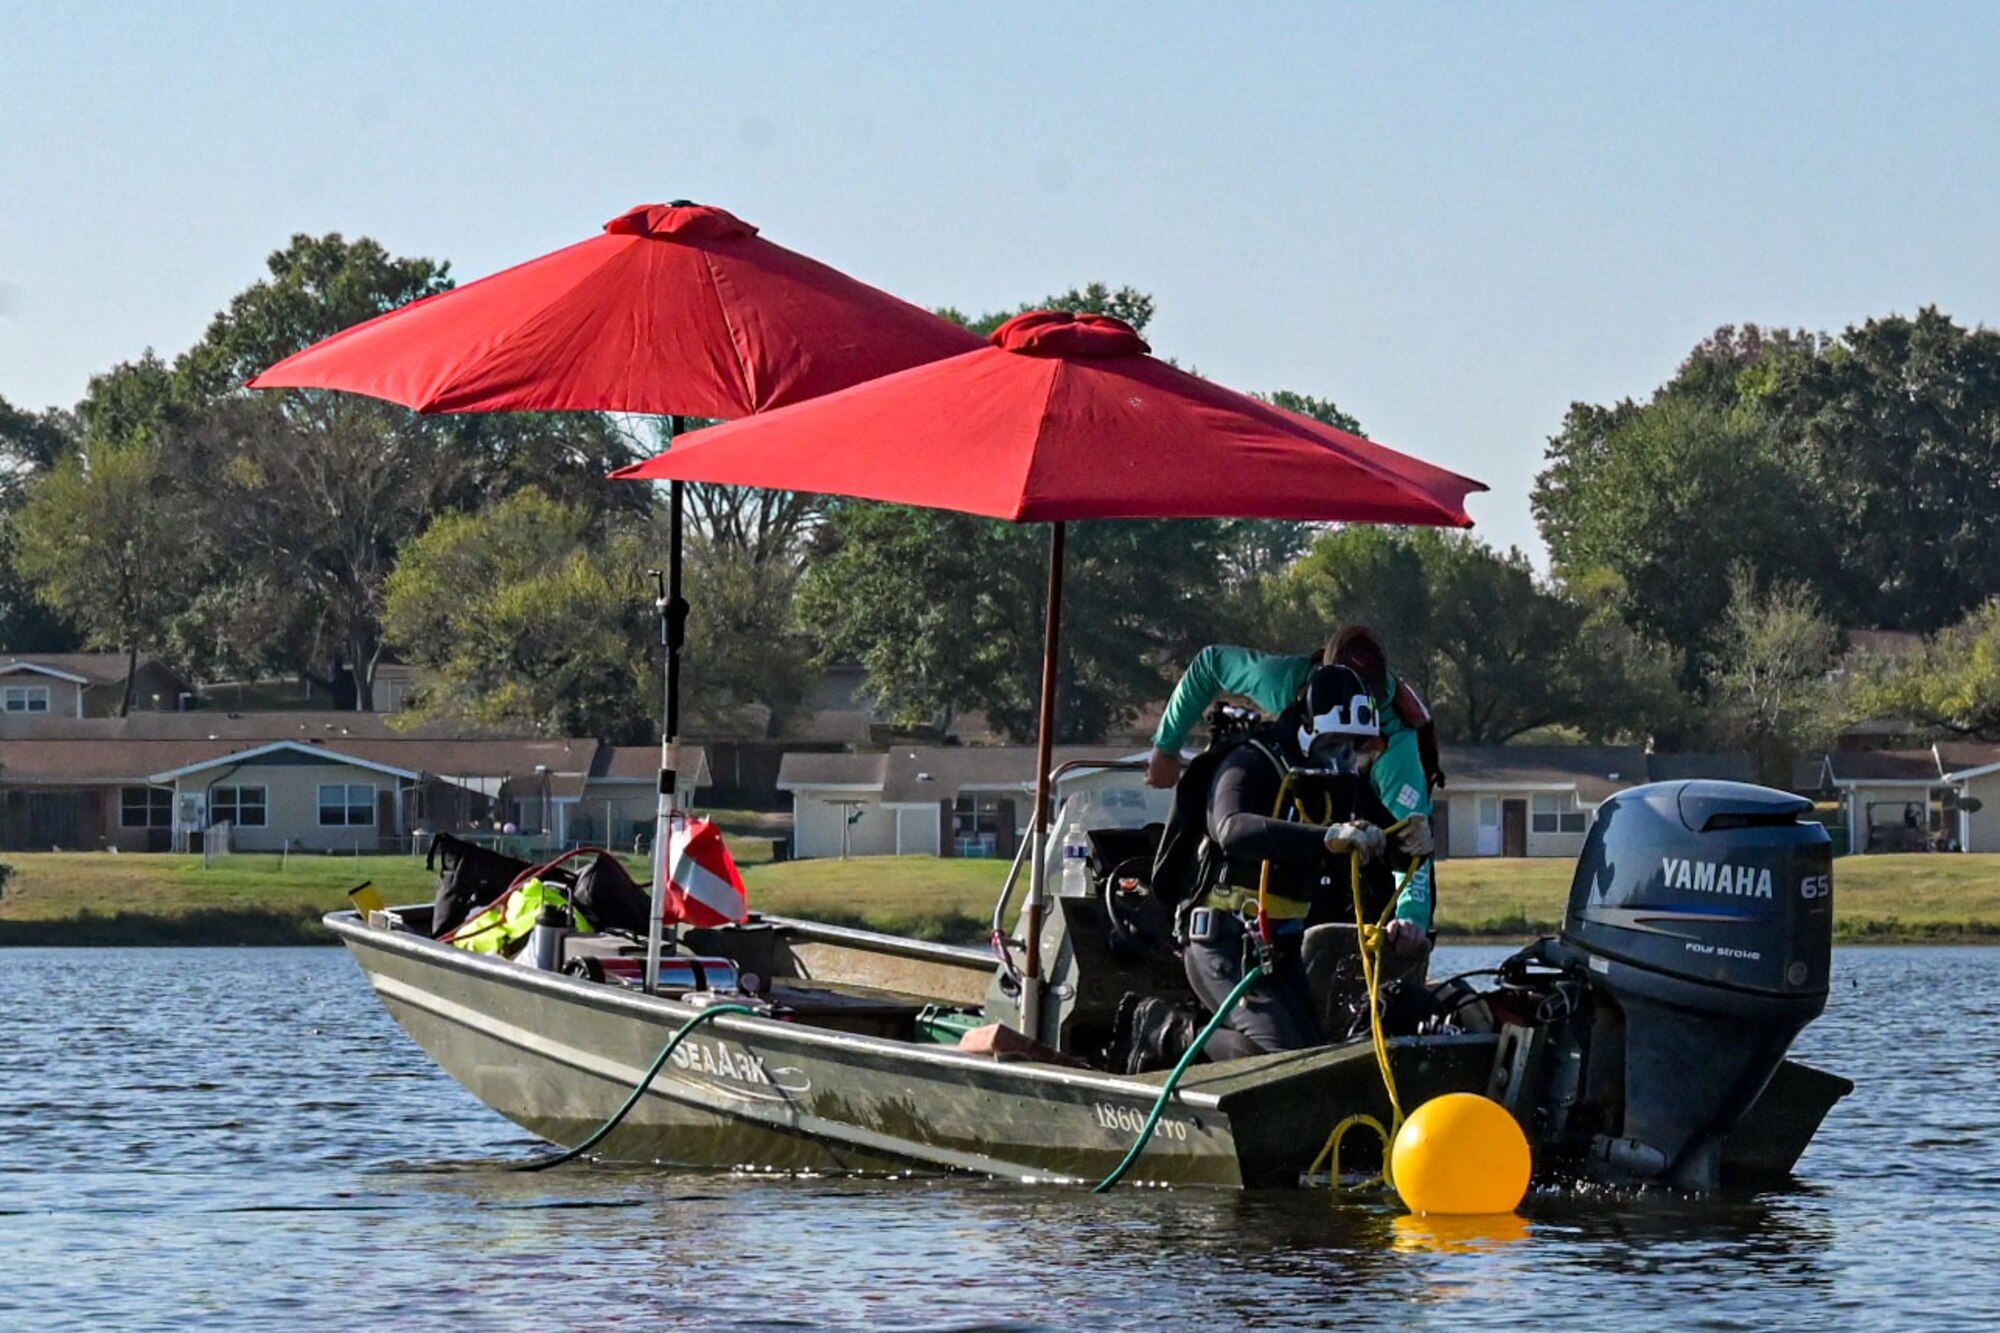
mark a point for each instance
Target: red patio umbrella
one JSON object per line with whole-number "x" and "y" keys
{"x": 1067, "y": 417}
{"x": 677, "y": 310}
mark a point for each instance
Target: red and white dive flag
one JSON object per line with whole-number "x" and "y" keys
{"x": 704, "y": 887}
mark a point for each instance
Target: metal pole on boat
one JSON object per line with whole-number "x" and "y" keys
{"x": 673, "y": 611}
{"x": 1032, "y": 909}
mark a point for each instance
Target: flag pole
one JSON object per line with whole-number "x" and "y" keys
{"x": 673, "y": 609}
{"x": 1038, "y": 835}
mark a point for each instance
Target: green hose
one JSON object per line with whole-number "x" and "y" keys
{"x": 1174, "y": 1079}
{"x": 571, "y": 1154}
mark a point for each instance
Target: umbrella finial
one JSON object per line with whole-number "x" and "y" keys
{"x": 1063, "y": 333}
{"x": 680, "y": 220}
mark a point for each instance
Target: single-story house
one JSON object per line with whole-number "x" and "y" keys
{"x": 1919, "y": 799}
{"x": 282, "y": 794}
{"x": 86, "y": 793}
{"x": 1527, "y": 800}
{"x": 936, "y": 800}
{"x": 311, "y": 781}
{"x": 1973, "y": 772}
{"x": 1889, "y": 798}
{"x": 616, "y": 803}
{"x": 86, "y": 685}
{"x": 1539, "y": 800}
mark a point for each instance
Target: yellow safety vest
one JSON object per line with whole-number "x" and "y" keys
{"x": 504, "y": 926}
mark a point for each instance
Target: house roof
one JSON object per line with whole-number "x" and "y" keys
{"x": 276, "y": 748}
{"x": 476, "y": 758}
{"x": 87, "y": 668}
{"x": 922, "y": 773}
{"x": 1727, "y": 765}
{"x": 641, "y": 763}
{"x": 1961, "y": 759}
{"x": 207, "y": 724}
{"x": 915, "y": 774}
{"x": 1594, "y": 771}
{"x": 40, "y": 750}
{"x": 1848, "y": 767}
{"x": 18, "y": 668}
{"x": 58, "y": 763}
{"x": 804, "y": 768}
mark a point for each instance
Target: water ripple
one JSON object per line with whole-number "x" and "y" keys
{"x": 242, "y": 1139}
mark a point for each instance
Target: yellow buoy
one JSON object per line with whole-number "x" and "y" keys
{"x": 1461, "y": 1153}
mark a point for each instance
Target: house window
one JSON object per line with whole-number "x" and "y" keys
{"x": 145, "y": 807}
{"x": 1556, "y": 812}
{"x": 241, "y": 807}
{"x": 975, "y": 824}
{"x": 350, "y": 805}
{"x": 26, "y": 699}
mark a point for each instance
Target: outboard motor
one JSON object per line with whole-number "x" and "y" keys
{"x": 1696, "y": 945}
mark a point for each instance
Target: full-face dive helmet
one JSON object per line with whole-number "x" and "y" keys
{"x": 1339, "y": 729}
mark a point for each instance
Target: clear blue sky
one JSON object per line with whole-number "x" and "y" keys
{"x": 1452, "y": 219}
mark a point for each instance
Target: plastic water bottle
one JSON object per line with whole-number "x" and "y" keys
{"x": 545, "y": 944}
{"x": 1076, "y": 863}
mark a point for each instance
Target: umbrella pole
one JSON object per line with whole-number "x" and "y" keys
{"x": 673, "y": 610}
{"x": 1038, "y": 837}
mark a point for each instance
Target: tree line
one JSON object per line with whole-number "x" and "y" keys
{"x": 1707, "y": 546}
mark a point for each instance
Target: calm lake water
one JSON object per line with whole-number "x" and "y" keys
{"x": 243, "y": 1139}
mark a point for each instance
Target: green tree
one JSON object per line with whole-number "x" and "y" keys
{"x": 1952, "y": 683}
{"x": 1496, "y": 651}
{"x": 318, "y": 285}
{"x": 1778, "y": 650}
{"x": 522, "y": 616}
{"x": 1359, "y": 574}
{"x": 942, "y": 610}
{"x": 310, "y": 495}
{"x": 1256, "y": 550}
{"x": 105, "y": 539}
{"x": 745, "y": 551}
{"x": 30, "y": 445}
{"x": 1896, "y": 426}
{"x": 1506, "y": 647}
{"x": 1629, "y": 685}
{"x": 935, "y": 605}
{"x": 1323, "y": 410}
{"x": 309, "y": 521}
{"x": 1668, "y": 498}
{"x": 742, "y": 647}
{"x": 1095, "y": 298}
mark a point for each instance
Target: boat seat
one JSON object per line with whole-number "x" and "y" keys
{"x": 827, "y": 998}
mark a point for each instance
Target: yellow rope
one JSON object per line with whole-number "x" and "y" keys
{"x": 1373, "y": 943}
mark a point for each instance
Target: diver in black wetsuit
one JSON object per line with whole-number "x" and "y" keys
{"x": 1324, "y": 744}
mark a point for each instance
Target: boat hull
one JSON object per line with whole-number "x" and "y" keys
{"x": 559, "y": 1055}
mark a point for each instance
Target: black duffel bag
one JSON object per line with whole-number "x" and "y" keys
{"x": 469, "y": 877}
{"x": 608, "y": 896}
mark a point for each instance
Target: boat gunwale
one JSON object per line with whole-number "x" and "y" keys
{"x": 347, "y": 925}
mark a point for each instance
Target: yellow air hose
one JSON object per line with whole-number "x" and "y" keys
{"x": 1372, "y": 943}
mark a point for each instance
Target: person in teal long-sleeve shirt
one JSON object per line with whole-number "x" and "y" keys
{"x": 1272, "y": 681}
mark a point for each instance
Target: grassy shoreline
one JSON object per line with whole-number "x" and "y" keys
{"x": 88, "y": 898}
